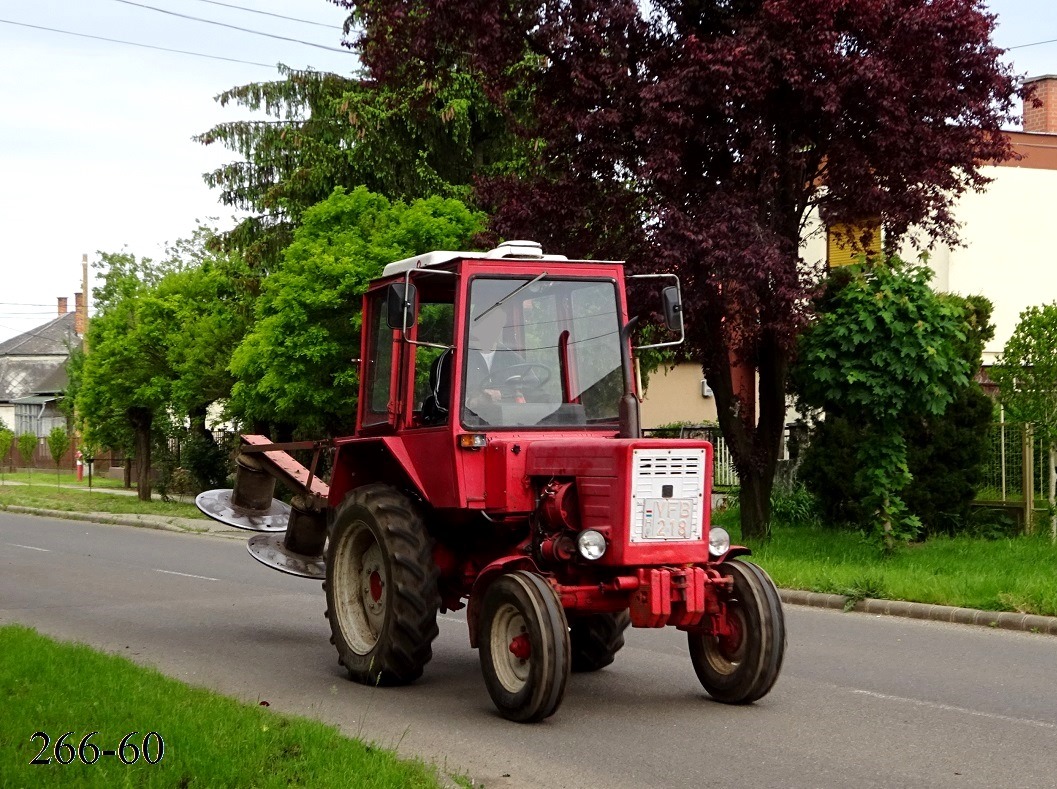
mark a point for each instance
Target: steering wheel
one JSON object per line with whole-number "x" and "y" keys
{"x": 524, "y": 376}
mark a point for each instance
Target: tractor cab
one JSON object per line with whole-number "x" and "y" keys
{"x": 500, "y": 341}
{"x": 464, "y": 354}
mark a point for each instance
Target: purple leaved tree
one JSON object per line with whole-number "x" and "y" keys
{"x": 697, "y": 137}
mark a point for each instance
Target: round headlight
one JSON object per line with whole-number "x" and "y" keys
{"x": 591, "y": 544}
{"x": 718, "y": 541}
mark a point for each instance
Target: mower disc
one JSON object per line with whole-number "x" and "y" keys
{"x": 268, "y": 549}
{"x": 217, "y": 505}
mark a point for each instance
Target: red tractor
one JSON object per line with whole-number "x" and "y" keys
{"x": 498, "y": 464}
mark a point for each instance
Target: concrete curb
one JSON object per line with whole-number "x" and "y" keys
{"x": 1006, "y": 620}
{"x": 162, "y": 523}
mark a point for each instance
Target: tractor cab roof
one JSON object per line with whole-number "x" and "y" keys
{"x": 509, "y": 250}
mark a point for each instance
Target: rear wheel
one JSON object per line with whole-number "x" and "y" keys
{"x": 524, "y": 646}
{"x": 381, "y": 587}
{"x": 596, "y": 639}
{"x": 742, "y": 665}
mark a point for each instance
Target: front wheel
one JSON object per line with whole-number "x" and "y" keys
{"x": 524, "y": 646}
{"x": 741, "y": 666}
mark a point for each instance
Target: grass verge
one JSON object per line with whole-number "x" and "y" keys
{"x": 42, "y": 476}
{"x": 209, "y": 740}
{"x": 48, "y": 497}
{"x": 1016, "y": 574}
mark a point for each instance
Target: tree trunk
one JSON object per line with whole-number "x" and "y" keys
{"x": 754, "y": 441}
{"x": 142, "y": 419}
{"x": 197, "y": 417}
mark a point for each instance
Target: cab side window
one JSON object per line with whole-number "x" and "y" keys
{"x": 436, "y": 322}
{"x": 380, "y": 364}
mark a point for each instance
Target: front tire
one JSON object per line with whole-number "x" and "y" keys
{"x": 524, "y": 646}
{"x": 381, "y": 586}
{"x": 596, "y": 639}
{"x": 742, "y": 667}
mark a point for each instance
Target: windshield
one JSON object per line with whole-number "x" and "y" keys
{"x": 541, "y": 352}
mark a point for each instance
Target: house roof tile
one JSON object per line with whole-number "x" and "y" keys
{"x": 54, "y": 338}
{"x": 34, "y": 362}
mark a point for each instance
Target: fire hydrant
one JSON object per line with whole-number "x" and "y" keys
{"x": 80, "y": 466}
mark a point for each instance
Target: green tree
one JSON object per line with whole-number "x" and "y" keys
{"x": 161, "y": 346}
{"x": 1026, "y": 375}
{"x": 27, "y": 447}
{"x": 325, "y": 130}
{"x": 207, "y": 299}
{"x": 946, "y": 453}
{"x": 58, "y": 444}
{"x": 699, "y": 137}
{"x": 7, "y": 438}
{"x": 294, "y": 369}
{"x": 126, "y": 377}
{"x": 884, "y": 347}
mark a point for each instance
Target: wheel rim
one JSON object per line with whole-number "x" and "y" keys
{"x": 360, "y": 588}
{"x": 726, "y": 652}
{"x": 511, "y": 653}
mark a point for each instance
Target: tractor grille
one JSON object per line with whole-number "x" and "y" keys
{"x": 667, "y": 495}
{"x": 664, "y": 463}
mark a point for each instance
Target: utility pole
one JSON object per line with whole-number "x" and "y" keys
{"x": 84, "y": 300}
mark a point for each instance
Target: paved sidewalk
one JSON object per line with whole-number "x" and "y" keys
{"x": 1006, "y": 620}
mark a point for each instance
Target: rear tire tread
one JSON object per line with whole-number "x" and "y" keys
{"x": 596, "y": 639}
{"x": 404, "y": 646}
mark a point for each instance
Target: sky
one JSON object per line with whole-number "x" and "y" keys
{"x": 96, "y": 148}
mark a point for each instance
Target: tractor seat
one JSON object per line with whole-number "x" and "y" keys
{"x": 435, "y": 406}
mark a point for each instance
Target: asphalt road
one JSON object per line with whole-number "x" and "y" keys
{"x": 863, "y": 701}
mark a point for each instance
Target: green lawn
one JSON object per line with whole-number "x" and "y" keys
{"x": 1013, "y": 574}
{"x": 45, "y": 496}
{"x": 209, "y": 740}
{"x": 44, "y": 476}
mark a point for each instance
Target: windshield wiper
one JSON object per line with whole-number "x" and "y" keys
{"x": 514, "y": 292}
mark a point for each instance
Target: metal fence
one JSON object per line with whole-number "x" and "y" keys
{"x": 1018, "y": 472}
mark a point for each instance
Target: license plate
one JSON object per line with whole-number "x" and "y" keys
{"x": 668, "y": 519}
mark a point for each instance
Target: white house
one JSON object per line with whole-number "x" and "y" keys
{"x": 33, "y": 371}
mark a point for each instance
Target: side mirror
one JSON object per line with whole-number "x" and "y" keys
{"x": 400, "y": 302}
{"x": 673, "y": 308}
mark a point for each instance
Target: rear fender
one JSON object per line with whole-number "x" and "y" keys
{"x": 507, "y": 564}
{"x": 363, "y": 461}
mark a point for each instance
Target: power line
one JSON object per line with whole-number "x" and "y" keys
{"x": 236, "y": 27}
{"x": 268, "y": 13}
{"x": 1034, "y": 44}
{"x": 137, "y": 44}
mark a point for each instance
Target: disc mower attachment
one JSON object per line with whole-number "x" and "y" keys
{"x": 250, "y": 504}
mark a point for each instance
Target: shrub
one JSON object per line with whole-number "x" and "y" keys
{"x": 796, "y": 506}
{"x": 205, "y": 461}
{"x": 946, "y": 453}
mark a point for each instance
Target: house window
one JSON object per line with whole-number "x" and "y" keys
{"x": 847, "y": 242}
{"x": 26, "y": 418}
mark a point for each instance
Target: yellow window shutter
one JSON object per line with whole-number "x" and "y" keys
{"x": 846, "y": 242}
